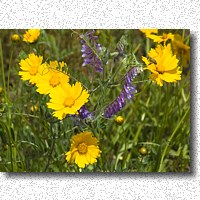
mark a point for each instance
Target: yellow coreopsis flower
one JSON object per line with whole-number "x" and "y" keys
{"x": 67, "y": 99}
{"x": 181, "y": 50}
{"x": 84, "y": 149}
{"x": 163, "y": 65}
{"x": 161, "y": 38}
{"x": 50, "y": 77}
{"x": 148, "y": 32}
{"x": 30, "y": 67}
{"x": 31, "y": 35}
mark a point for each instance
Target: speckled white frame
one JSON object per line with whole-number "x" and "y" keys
{"x": 109, "y": 14}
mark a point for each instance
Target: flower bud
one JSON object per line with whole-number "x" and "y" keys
{"x": 34, "y": 108}
{"x": 119, "y": 119}
{"x": 1, "y": 90}
{"x": 143, "y": 151}
{"x": 15, "y": 38}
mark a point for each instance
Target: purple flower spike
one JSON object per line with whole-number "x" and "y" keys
{"x": 126, "y": 94}
{"x": 91, "y": 57}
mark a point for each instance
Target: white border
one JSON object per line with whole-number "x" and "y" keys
{"x": 109, "y": 14}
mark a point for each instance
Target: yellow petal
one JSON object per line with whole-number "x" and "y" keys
{"x": 58, "y": 93}
{"x": 55, "y": 106}
{"x": 82, "y": 99}
{"x": 76, "y": 90}
{"x": 145, "y": 60}
{"x": 170, "y": 77}
{"x": 80, "y": 161}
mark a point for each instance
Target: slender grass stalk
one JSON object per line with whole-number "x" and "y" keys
{"x": 166, "y": 111}
{"x": 147, "y": 46}
{"x": 12, "y": 141}
{"x": 13, "y": 167}
{"x": 51, "y": 149}
{"x": 10, "y": 63}
{"x": 170, "y": 139}
{"x": 6, "y": 129}
{"x": 137, "y": 134}
{"x": 2, "y": 68}
{"x": 183, "y": 34}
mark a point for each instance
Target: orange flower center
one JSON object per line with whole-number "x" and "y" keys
{"x": 69, "y": 102}
{"x": 54, "y": 80}
{"x": 82, "y": 148}
{"x": 33, "y": 71}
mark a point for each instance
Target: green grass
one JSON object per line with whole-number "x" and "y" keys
{"x": 158, "y": 118}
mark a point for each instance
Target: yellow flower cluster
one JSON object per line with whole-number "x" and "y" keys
{"x": 64, "y": 99}
{"x": 50, "y": 79}
{"x": 162, "y": 61}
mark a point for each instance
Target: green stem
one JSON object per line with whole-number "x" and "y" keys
{"x": 51, "y": 150}
{"x": 9, "y": 119}
{"x": 12, "y": 141}
{"x": 183, "y": 34}
{"x": 137, "y": 134}
{"x": 170, "y": 139}
{"x": 2, "y": 67}
{"x": 5, "y": 127}
{"x": 10, "y": 63}
{"x": 147, "y": 46}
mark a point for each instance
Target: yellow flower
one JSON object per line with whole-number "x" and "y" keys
{"x": 119, "y": 119}
{"x": 49, "y": 77}
{"x": 31, "y": 35}
{"x": 161, "y": 38}
{"x": 163, "y": 65}
{"x": 15, "y": 38}
{"x": 149, "y": 31}
{"x": 67, "y": 99}
{"x": 84, "y": 149}
{"x": 30, "y": 67}
{"x": 181, "y": 50}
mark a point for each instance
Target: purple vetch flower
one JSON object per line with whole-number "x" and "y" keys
{"x": 126, "y": 94}
{"x": 84, "y": 113}
{"x": 90, "y": 53}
